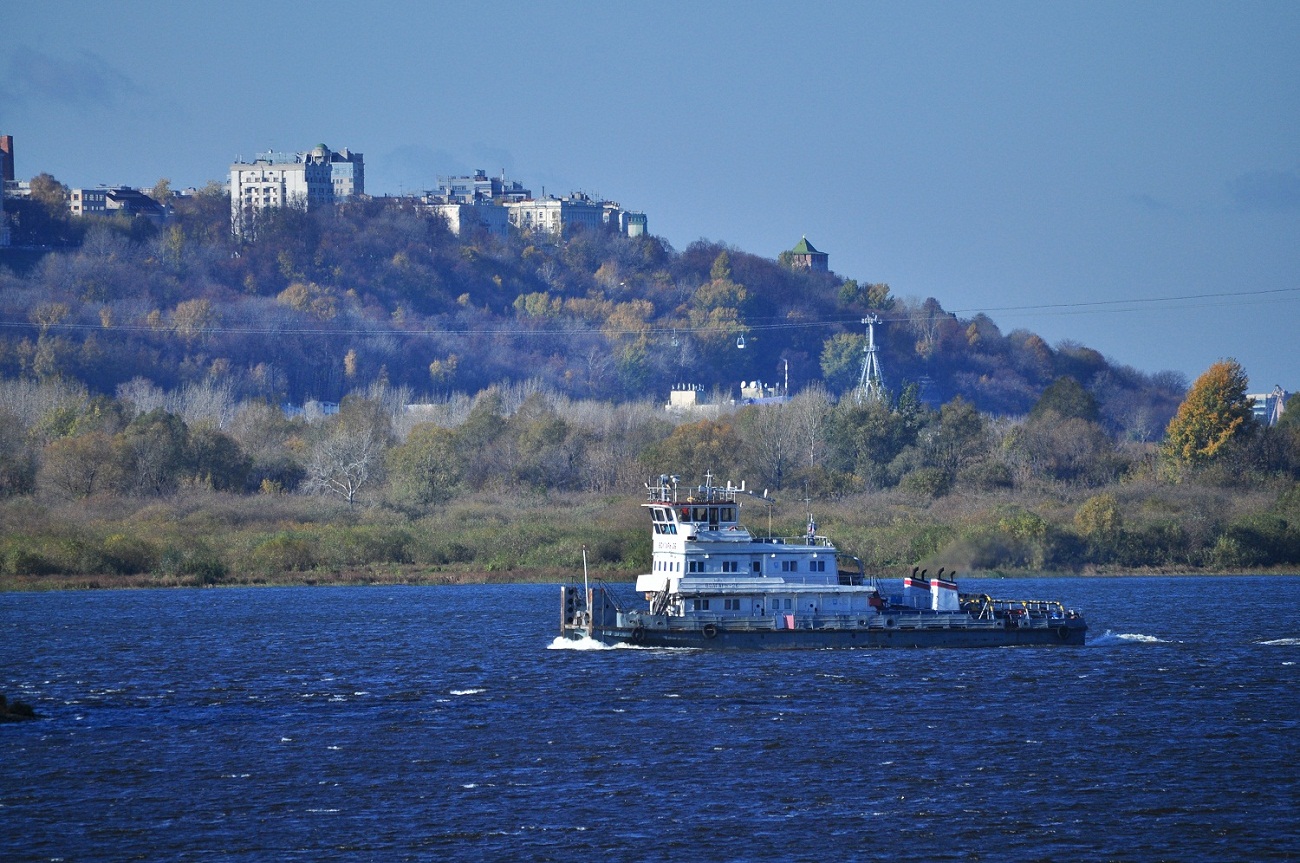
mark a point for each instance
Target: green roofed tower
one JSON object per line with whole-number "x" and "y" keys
{"x": 805, "y": 256}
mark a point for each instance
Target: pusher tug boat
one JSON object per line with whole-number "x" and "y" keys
{"x": 716, "y": 585}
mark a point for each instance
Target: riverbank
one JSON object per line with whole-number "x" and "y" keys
{"x": 423, "y": 576}
{"x": 202, "y": 538}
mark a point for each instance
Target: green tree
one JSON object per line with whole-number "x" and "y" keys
{"x": 151, "y": 454}
{"x": 721, "y": 270}
{"x": 17, "y": 457}
{"x": 1067, "y": 398}
{"x": 1215, "y": 413}
{"x": 959, "y": 438}
{"x": 480, "y": 440}
{"x": 878, "y": 297}
{"x": 544, "y": 451}
{"x": 218, "y": 461}
{"x": 841, "y": 361}
{"x": 426, "y": 468}
{"x": 867, "y": 439}
{"x": 850, "y": 292}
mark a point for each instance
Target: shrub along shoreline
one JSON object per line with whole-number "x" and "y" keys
{"x": 200, "y": 538}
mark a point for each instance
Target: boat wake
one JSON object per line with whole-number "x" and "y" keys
{"x": 562, "y": 643}
{"x": 1109, "y": 638}
{"x": 1280, "y": 642}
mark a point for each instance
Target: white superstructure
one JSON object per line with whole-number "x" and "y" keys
{"x": 706, "y": 561}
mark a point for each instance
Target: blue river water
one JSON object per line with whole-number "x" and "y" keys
{"x": 420, "y": 723}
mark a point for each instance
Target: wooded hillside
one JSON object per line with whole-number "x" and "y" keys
{"x": 488, "y": 386}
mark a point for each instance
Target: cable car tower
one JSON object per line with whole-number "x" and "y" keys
{"x": 871, "y": 383}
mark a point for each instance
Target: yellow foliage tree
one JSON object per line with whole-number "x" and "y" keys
{"x": 1099, "y": 520}
{"x": 191, "y": 318}
{"x": 309, "y": 298}
{"x": 1214, "y": 413}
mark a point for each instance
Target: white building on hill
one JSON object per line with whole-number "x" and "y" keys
{"x": 307, "y": 180}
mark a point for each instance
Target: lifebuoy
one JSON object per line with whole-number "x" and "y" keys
{"x": 638, "y": 634}
{"x": 889, "y": 621}
{"x": 710, "y": 630}
{"x": 1063, "y": 633}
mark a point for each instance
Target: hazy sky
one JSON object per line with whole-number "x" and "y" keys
{"x": 1125, "y": 175}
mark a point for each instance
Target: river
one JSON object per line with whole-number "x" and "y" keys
{"x": 418, "y": 723}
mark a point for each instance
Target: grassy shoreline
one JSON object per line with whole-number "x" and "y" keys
{"x": 202, "y": 538}
{"x": 414, "y": 576}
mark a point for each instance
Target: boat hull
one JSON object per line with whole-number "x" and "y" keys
{"x": 1069, "y": 633}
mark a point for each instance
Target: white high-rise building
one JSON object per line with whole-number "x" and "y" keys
{"x": 305, "y": 180}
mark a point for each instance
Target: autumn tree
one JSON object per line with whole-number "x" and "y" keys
{"x": 1069, "y": 450}
{"x": 1061, "y": 439}
{"x": 811, "y": 410}
{"x": 1100, "y": 522}
{"x": 696, "y": 448}
{"x": 77, "y": 467}
{"x": 50, "y": 192}
{"x": 1215, "y": 413}
{"x": 717, "y": 310}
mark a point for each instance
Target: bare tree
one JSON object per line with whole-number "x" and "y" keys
{"x": 768, "y": 439}
{"x": 141, "y": 395}
{"x": 810, "y": 410}
{"x": 210, "y": 402}
{"x": 349, "y": 454}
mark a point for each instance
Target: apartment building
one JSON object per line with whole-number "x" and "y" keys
{"x": 316, "y": 178}
{"x": 105, "y": 200}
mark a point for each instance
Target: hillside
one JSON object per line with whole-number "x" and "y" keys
{"x": 501, "y": 399}
{"x": 324, "y": 302}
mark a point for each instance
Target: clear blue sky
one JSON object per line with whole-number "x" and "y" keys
{"x": 996, "y": 156}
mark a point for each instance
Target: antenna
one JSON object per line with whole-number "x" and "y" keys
{"x": 871, "y": 383}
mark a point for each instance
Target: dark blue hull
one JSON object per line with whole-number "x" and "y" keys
{"x": 714, "y": 637}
